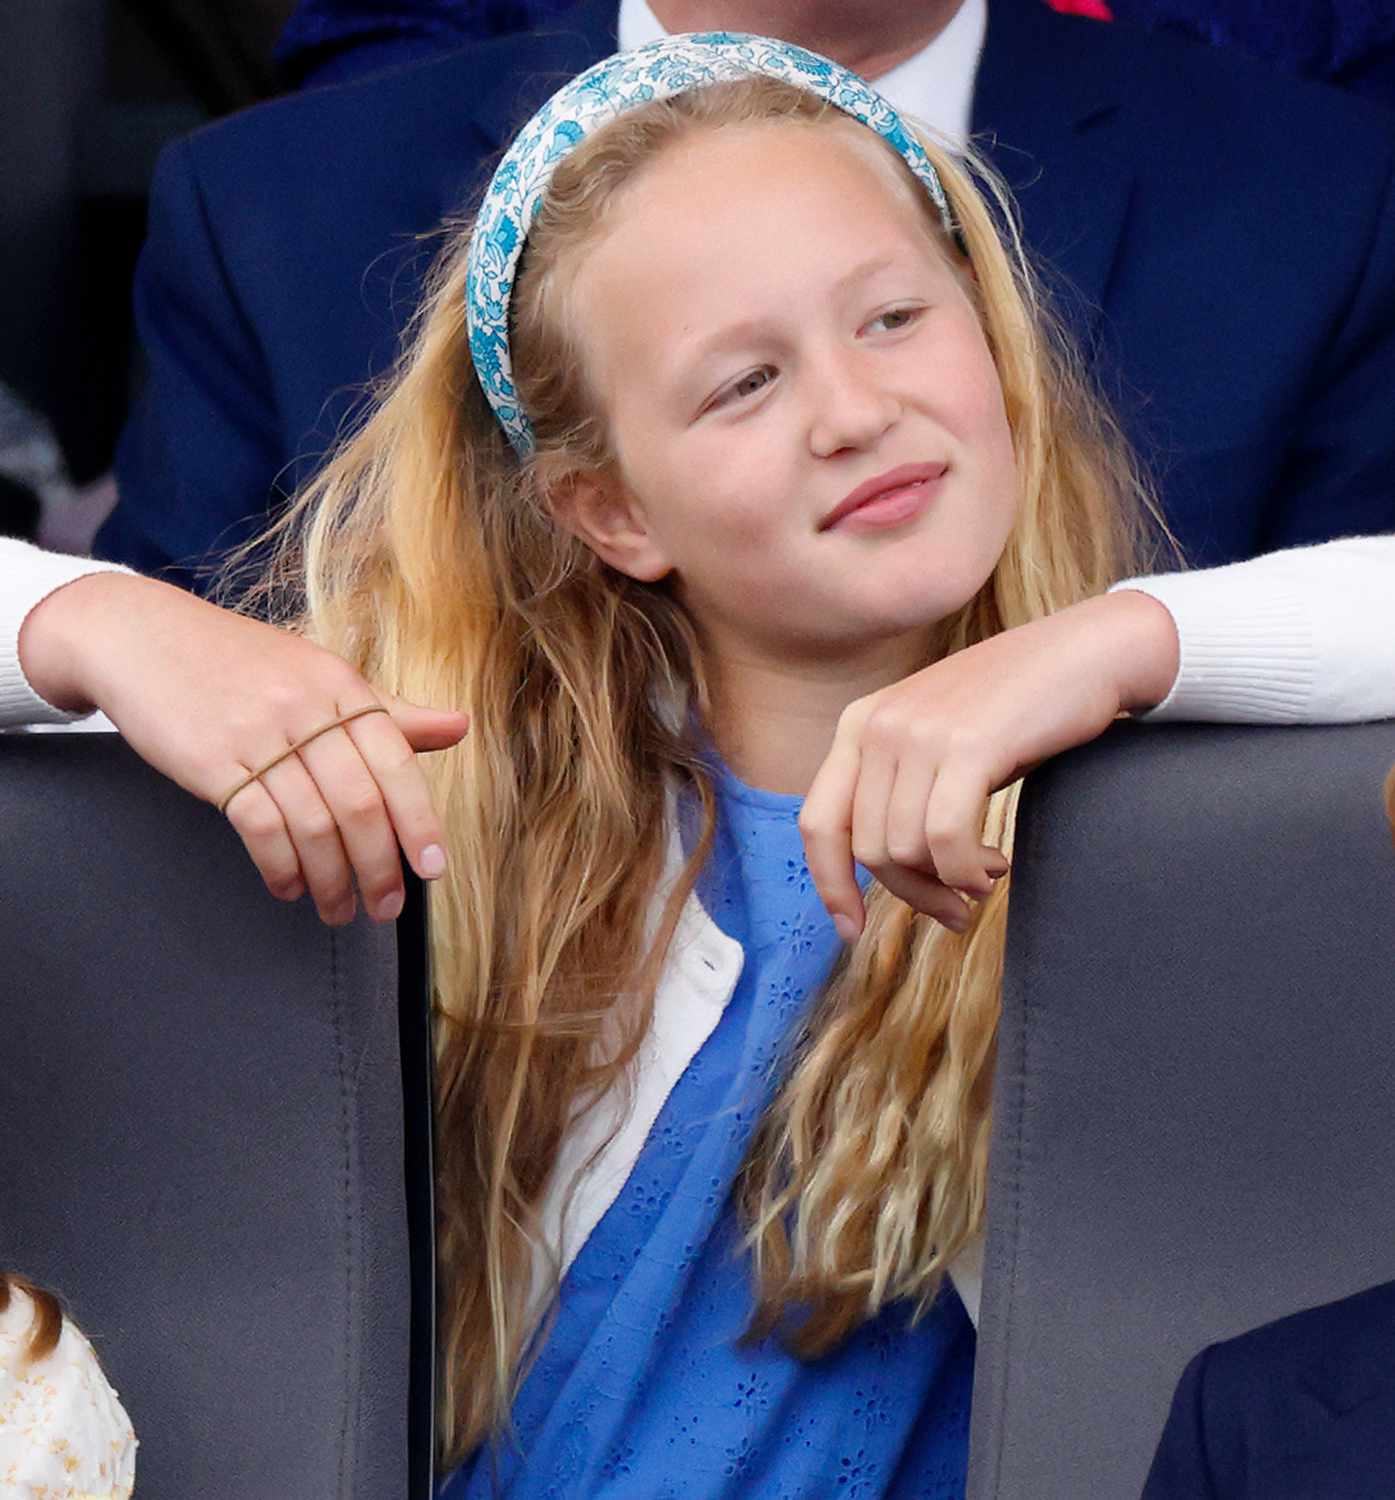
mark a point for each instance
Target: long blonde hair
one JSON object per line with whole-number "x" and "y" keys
{"x": 428, "y": 555}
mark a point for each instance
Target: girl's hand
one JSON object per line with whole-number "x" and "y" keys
{"x": 207, "y": 696}
{"x": 903, "y": 789}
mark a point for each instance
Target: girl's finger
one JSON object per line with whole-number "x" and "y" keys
{"x": 876, "y": 775}
{"x": 905, "y": 815}
{"x": 825, "y": 824}
{"x": 315, "y": 834}
{"x": 355, "y": 801}
{"x": 426, "y": 728}
{"x": 954, "y": 827}
{"x": 388, "y": 754}
{"x": 926, "y": 894}
{"x": 258, "y": 821}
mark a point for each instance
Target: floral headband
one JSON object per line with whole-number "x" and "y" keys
{"x": 659, "y": 70}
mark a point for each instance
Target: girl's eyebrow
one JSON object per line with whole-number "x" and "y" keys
{"x": 747, "y": 330}
{"x": 743, "y": 331}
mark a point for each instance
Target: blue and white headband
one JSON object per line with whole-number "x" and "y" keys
{"x": 659, "y": 70}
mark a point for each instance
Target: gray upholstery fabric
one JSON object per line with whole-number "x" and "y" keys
{"x": 1195, "y": 1106}
{"x": 201, "y": 1111}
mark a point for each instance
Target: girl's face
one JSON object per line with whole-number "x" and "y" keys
{"x": 777, "y": 339}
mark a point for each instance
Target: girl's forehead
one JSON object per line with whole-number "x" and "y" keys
{"x": 833, "y": 150}
{"x": 758, "y": 190}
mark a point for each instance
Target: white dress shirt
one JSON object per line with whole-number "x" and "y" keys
{"x": 936, "y": 85}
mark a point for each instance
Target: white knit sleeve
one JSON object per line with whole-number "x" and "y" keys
{"x": 28, "y": 576}
{"x": 1304, "y": 636}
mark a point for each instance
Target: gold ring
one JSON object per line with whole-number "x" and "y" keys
{"x": 358, "y": 713}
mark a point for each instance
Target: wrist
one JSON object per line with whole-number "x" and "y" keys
{"x": 1148, "y": 655}
{"x": 57, "y": 635}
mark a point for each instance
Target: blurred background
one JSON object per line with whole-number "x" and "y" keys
{"x": 91, "y": 90}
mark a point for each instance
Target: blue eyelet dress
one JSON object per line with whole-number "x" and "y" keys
{"x": 643, "y": 1389}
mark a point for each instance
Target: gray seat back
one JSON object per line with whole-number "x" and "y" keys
{"x": 1194, "y": 1123}
{"x": 202, "y": 1114}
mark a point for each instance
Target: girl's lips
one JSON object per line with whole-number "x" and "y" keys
{"x": 878, "y": 500}
{"x": 890, "y": 507}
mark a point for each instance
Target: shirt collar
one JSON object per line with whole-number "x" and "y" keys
{"x": 936, "y": 85}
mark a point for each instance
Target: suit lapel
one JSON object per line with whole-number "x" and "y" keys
{"x": 1337, "y": 1437}
{"x": 1355, "y": 1372}
{"x": 1050, "y": 110}
{"x": 1338, "y": 1454}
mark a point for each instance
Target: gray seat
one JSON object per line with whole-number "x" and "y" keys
{"x": 1195, "y": 1107}
{"x": 206, "y": 1146}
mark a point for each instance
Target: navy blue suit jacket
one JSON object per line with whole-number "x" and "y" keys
{"x": 1229, "y": 237}
{"x": 1301, "y": 1409}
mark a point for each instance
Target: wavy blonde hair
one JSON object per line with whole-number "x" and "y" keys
{"x": 429, "y": 556}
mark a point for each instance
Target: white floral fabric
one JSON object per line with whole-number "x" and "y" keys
{"x": 64, "y": 1435}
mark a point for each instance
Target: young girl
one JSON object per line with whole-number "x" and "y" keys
{"x": 63, "y": 1433}
{"x": 733, "y": 487}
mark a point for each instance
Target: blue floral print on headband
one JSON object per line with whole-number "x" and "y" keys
{"x": 659, "y": 70}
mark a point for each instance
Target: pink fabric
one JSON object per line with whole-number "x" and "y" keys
{"x": 1096, "y": 10}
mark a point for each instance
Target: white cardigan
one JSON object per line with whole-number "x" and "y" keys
{"x": 1305, "y": 636}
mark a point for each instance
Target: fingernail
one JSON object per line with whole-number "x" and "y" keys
{"x": 433, "y": 862}
{"x": 341, "y": 916}
{"x": 390, "y": 907}
{"x": 957, "y": 923}
{"x": 845, "y": 927}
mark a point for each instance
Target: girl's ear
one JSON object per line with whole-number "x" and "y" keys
{"x": 598, "y": 510}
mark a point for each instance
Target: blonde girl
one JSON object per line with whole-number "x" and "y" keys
{"x": 697, "y": 501}
{"x": 735, "y": 487}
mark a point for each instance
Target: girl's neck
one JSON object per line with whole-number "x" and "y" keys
{"x": 773, "y": 723}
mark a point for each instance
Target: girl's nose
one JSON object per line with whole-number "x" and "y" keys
{"x": 852, "y": 409}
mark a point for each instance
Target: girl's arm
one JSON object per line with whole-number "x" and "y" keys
{"x": 206, "y": 697}
{"x": 1305, "y": 636}
{"x": 1302, "y": 636}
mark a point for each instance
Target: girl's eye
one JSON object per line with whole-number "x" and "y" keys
{"x": 896, "y": 318}
{"x": 749, "y": 384}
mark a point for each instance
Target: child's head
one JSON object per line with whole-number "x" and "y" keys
{"x": 770, "y": 320}
{"x": 731, "y": 309}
